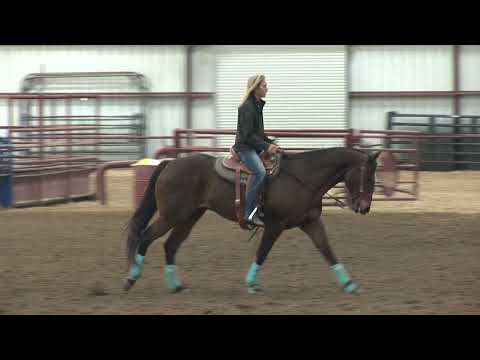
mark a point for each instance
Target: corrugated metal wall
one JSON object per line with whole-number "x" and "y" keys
{"x": 469, "y": 67}
{"x": 398, "y": 68}
{"x": 163, "y": 66}
{"x": 371, "y": 68}
{"x": 470, "y": 78}
{"x": 203, "y": 111}
{"x": 307, "y": 87}
{"x": 370, "y": 113}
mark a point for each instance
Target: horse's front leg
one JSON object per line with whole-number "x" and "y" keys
{"x": 316, "y": 231}
{"x": 270, "y": 235}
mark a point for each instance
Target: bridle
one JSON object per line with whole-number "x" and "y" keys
{"x": 362, "y": 179}
{"x": 363, "y": 169}
{"x": 340, "y": 203}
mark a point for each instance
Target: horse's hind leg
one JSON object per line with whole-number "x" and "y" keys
{"x": 316, "y": 231}
{"x": 179, "y": 234}
{"x": 156, "y": 230}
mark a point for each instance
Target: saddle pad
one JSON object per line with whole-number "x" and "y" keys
{"x": 228, "y": 174}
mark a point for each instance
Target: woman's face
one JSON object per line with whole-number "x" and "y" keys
{"x": 261, "y": 90}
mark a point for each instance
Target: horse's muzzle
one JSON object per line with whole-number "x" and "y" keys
{"x": 365, "y": 211}
{"x": 361, "y": 206}
{"x": 364, "y": 205}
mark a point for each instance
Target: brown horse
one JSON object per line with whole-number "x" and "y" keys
{"x": 183, "y": 189}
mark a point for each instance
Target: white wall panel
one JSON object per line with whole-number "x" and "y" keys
{"x": 203, "y": 62}
{"x": 470, "y": 105}
{"x": 470, "y": 67}
{"x": 401, "y": 68}
{"x": 163, "y": 66}
{"x": 307, "y": 87}
{"x": 164, "y": 116}
{"x": 370, "y": 114}
{"x": 204, "y": 75}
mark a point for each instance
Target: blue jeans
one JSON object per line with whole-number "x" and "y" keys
{"x": 252, "y": 161}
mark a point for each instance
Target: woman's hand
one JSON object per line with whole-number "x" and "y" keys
{"x": 273, "y": 149}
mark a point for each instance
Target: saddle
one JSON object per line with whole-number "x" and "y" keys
{"x": 232, "y": 169}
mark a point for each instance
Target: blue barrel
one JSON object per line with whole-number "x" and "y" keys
{"x": 6, "y": 173}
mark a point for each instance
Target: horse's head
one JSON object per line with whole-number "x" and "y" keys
{"x": 360, "y": 183}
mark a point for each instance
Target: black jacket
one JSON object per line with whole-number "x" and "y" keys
{"x": 250, "y": 131}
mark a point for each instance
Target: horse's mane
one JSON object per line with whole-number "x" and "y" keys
{"x": 314, "y": 155}
{"x": 320, "y": 154}
{"x": 207, "y": 155}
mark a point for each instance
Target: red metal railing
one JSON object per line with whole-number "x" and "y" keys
{"x": 350, "y": 137}
{"x": 66, "y": 134}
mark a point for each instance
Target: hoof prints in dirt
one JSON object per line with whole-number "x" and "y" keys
{"x": 399, "y": 257}
{"x": 98, "y": 290}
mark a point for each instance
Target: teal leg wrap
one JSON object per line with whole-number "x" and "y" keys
{"x": 137, "y": 268}
{"x": 350, "y": 288}
{"x": 341, "y": 274}
{"x": 343, "y": 278}
{"x": 251, "y": 278}
{"x": 171, "y": 277}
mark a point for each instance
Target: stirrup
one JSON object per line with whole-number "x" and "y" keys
{"x": 250, "y": 217}
{"x": 259, "y": 213}
{"x": 254, "y": 220}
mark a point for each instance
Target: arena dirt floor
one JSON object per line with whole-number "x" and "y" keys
{"x": 409, "y": 258}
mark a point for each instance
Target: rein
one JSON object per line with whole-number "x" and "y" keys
{"x": 313, "y": 191}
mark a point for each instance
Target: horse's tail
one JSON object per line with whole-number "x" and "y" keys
{"x": 143, "y": 214}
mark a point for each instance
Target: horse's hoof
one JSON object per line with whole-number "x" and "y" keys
{"x": 351, "y": 288}
{"x": 128, "y": 284}
{"x": 254, "y": 289}
{"x": 179, "y": 289}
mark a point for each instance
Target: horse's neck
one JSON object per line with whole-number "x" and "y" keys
{"x": 325, "y": 176}
{"x": 336, "y": 173}
{"x": 332, "y": 179}
{"x": 331, "y": 176}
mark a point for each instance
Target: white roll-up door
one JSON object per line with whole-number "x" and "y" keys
{"x": 307, "y": 88}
